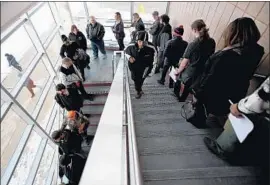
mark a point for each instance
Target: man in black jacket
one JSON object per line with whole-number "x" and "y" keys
{"x": 155, "y": 28}
{"x": 69, "y": 48}
{"x": 68, "y": 98}
{"x": 141, "y": 56}
{"x": 137, "y": 22}
{"x": 174, "y": 50}
{"x": 95, "y": 33}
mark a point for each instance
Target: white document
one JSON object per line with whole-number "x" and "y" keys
{"x": 172, "y": 74}
{"x": 242, "y": 126}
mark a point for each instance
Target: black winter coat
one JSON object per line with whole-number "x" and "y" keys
{"x": 79, "y": 39}
{"x": 226, "y": 77}
{"x": 174, "y": 50}
{"x": 72, "y": 143}
{"x": 69, "y": 50}
{"x": 95, "y": 32}
{"x": 71, "y": 102}
{"x": 154, "y": 31}
{"x": 118, "y": 30}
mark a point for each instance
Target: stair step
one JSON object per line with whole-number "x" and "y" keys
{"x": 91, "y": 130}
{"x": 94, "y": 119}
{"x": 98, "y": 89}
{"x": 95, "y": 84}
{"x": 192, "y": 159}
{"x": 202, "y": 174}
{"x": 93, "y": 109}
{"x": 165, "y": 107}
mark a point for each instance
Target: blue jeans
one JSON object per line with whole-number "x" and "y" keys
{"x": 98, "y": 45}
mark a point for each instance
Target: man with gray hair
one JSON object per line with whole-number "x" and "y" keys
{"x": 155, "y": 28}
{"x": 95, "y": 33}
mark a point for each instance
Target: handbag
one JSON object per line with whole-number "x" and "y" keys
{"x": 195, "y": 113}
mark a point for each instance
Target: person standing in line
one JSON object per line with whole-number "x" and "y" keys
{"x": 194, "y": 59}
{"x": 71, "y": 77}
{"x": 77, "y": 36}
{"x": 118, "y": 30}
{"x": 95, "y": 33}
{"x": 155, "y": 28}
{"x": 164, "y": 36}
{"x": 13, "y": 62}
{"x": 140, "y": 56}
{"x": 137, "y": 22}
{"x": 174, "y": 50}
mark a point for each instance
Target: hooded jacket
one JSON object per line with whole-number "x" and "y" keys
{"x": 79, "y": 39}
{"x": 164, "y": 36}
{"x": 95, "y": 32}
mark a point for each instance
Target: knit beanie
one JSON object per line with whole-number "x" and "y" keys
{"x": 64, "y": 38}
{"x": 178, "y": 31}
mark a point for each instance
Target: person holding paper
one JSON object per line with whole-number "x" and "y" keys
{"x": 174, "y": 50}
{"x": 258, "y": 106}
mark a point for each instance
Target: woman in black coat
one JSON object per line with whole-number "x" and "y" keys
{"x": 78, "y": 37}
{"x": 118, "y": 30}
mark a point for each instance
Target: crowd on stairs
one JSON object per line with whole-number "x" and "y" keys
{"x": 212, "y": 77}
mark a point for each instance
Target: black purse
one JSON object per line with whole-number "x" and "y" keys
{"x": 195, "y": 113}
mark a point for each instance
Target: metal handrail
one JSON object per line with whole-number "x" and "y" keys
{"x": 133, "y": 157}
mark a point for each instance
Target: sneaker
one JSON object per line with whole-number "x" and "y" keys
{"x": 104, "y": 57}
{"x": 90, "y": 97}
{"x": 160, "y": 82}
{"x": 138, "y": 95}
{"x": 213, "y": 146}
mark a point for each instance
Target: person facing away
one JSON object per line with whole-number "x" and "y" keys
{"x": 95, "y": 33}
{"x": 164, "y": 36}
{"x": 13, "y": 62}
{"x": 155, "y": 28}
{"x": 228, "y": 72}
{"x": 137, "y": 23}
{"x": 72, "y": 167}
{"x": 140, "y": 56}
{"x": 71, "y": 77}
{"x": 134, "y": 33}
{"x": 77, "y": 36}
{"x": 194, "y": 58}
{"x": 69, "y": 48}
{"x": 226, "y": 146}
{"x": 174, "y": 50}
{"x": 118, "y": 30}
{"x": 67, "y": 141}
{"x": 68, "y": 98}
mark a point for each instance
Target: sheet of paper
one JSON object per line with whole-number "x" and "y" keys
{"x": 172, "y": 74}
{"x": 242, "y": 126}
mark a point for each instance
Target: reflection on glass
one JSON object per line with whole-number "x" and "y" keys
{"x": 54, "y": 49}
{"x": 12, "y": 128}
{"x": 43, "y": 22}
{"x": 44, "y": 166}
{"x": 77, "y": 9}
{"x": 21, "y": 51}
{"x": 40, "y": 77}
{"x": 45, "y": 112}
{"x": 62, "y": 8}
{"x": 106, "y": 10}
{"x": 55, "y": 124}
{"x": 145, "y": 9}
{"x": 25, "y": 163}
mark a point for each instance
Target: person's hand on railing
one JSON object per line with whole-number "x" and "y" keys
{"x": 131, "y": 60}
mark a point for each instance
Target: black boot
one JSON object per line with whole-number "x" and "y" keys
{"x": 213, "y": 146}
{"x": 138, "y": 95}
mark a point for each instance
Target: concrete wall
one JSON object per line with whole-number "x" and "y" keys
{"x": 218, "y": 15}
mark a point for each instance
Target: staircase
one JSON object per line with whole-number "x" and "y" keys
{"x": 95, "y": 108}
{"x": 171, "y": 150}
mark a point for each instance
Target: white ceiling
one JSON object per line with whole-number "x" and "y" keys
{"x": 11, "y": 11}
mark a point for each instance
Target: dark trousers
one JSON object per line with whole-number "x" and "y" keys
{"x": 160, "y": 60}
{"x": 98, "y": 45}
{"x": 177, "y": 87}
{"x": 137, "y": 77}
{"x": 81, "y": 69}
{"x": 82, "y": 90}
{"x": 121, "y": 44}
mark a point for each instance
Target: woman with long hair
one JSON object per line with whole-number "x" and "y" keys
{"x": 77, "y": 36}
{"x": 228, "y": 72}
{"x": 194, "y": 58}
{"x": 118, "y": 30}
